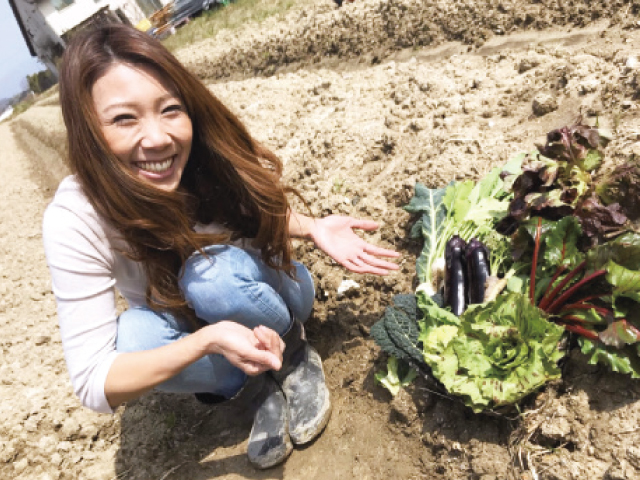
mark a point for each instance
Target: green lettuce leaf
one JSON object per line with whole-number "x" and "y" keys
{"x": 434, "y": 314}
{"x": 398, "y": 375}
{"x": 501, "y": 351}
{"x": 625, "y": 360}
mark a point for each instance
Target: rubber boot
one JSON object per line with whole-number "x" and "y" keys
{"x": 302, "y": 381}
{"x": 269, "y": 441}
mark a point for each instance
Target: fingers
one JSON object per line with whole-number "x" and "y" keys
{"x": 358, "y": 265}
{"x": 259, "y": 361}
{"x": 269, "y": 340}
{"x": 363, "y": 262}
{"x": 377, "y": 262}
{"x": 380, "y": 252}
{"x": 253, "y": 351}
{"x": 362, "y": 224}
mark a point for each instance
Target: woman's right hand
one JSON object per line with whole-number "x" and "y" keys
{"x": 252, "y": 351}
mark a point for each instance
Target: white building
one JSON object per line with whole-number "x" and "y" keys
{"x": 46, "y": 25}
{"x": 65, "y": 15}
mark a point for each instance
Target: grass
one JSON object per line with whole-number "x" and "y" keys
{"x": 231, "y": 16}
{"x": 22, "y": 106}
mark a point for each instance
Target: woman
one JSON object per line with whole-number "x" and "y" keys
{"x": 173, "y": 203}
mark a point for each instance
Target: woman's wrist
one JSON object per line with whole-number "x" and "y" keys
{"x": 207, "y": 341}
{"x": 301, "y": 226}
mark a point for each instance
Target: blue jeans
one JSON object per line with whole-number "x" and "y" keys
{"x": 231, "y": 284}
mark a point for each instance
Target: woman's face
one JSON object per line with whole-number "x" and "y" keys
{"x": 144, "y": 123}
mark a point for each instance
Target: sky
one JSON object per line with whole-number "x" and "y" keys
{"x": 15, "y": 60}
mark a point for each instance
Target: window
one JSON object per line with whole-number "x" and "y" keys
{"x": 60, "y": 4}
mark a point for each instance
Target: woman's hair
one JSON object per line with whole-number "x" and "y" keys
{"x": 229, "y": 178}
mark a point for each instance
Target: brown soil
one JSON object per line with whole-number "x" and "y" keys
{"x": 360, "y": 102}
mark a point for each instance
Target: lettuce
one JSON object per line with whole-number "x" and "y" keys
{"x": 501, "y": 351}
{"x": 398, "y": 375}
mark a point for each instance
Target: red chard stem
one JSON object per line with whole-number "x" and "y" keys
{"x": 573, "y": 318}
{"x": 591, "y": 297}
{"x": 534, "y": 263}
{"x": 544, "y": 305}
{"x": 553, "y": 308}
{"x": 590, "y": 334}
{"x": 559, "y": 270}
{"x": 587, "y": 306}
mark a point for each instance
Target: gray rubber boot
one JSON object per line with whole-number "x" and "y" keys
{"x": 269, "y": 442}
{"x": 302, "y": 381}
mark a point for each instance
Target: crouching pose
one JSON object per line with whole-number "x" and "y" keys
{"x": 173, "y": 203}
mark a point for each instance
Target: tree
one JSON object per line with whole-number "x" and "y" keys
{"x": 41, "y": 81}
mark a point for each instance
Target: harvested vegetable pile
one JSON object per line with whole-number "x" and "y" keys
{"x": 538, "y": 257}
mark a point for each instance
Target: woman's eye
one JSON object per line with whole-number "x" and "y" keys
{"x": 173, "y": 108}
{"x": 123, "y": 119}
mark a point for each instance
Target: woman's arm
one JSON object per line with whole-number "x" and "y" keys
{"x": 253, "y": 351}
{"x": 82, "y": 264}
{"x": 300, "y": 226}
{"x": 335, "y": 236}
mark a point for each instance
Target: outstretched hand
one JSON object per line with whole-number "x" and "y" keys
{"x": 335, "y": 236}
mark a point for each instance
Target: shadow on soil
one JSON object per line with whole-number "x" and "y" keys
{"x": 607, "y": 391}
{"x": 175, "y": 437}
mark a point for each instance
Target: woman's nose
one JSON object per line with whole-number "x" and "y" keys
{"x": 154, "y": 134}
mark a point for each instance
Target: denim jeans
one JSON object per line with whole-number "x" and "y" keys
{"x": 229, "y": 284}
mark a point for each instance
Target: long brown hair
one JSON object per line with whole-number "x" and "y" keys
{"x": 229, "y": 178}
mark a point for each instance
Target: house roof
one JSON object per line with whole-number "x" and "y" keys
{"x": 23, "y": 30}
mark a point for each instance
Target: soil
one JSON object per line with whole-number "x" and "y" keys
{"x": 360, "y": 102}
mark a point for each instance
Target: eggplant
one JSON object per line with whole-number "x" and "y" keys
{"x": 477, "y": 259}
{"x": 455, "y": 272}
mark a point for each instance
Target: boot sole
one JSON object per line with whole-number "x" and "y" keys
{"x": 274, "y": 458}
{"x": 307, "y": 433}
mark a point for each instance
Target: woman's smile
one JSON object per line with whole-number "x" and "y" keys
{"x": 144, "y": 123}
{"x": 156, "y": 166}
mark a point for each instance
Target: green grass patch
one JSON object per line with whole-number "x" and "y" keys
{"x": 231, "y": 16}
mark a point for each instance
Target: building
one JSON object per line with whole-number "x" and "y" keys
{"x": 67, "y": 16}
{"x": 40, "y": 38}
{"x": 47, "y": 25}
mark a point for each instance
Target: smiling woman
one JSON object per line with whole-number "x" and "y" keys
{"x": 144, "y": 123}
{"x": 173, "y": 203}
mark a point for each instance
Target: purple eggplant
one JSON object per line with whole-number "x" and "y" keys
{"x": 477, "y": 259}
{"x": 455, "y": 273}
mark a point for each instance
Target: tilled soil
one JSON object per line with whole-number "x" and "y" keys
{"x": 360, "y": 103}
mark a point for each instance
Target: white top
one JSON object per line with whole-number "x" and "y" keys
{"x": 82, "y": 253}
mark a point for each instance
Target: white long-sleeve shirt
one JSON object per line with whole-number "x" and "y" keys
{"x": 86, "y": 267}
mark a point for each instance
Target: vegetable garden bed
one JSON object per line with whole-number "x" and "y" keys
{"x": 538, "y": 257}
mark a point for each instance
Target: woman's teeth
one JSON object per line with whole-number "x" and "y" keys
{"x": 156, "y": 167}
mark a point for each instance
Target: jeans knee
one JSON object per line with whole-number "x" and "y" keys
{"x": 141, "y": 328}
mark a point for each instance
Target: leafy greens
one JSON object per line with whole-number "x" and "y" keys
{"x": 563, "y": 239}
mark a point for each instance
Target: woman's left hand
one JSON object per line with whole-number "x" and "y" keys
{"x": 335, "y": 236}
